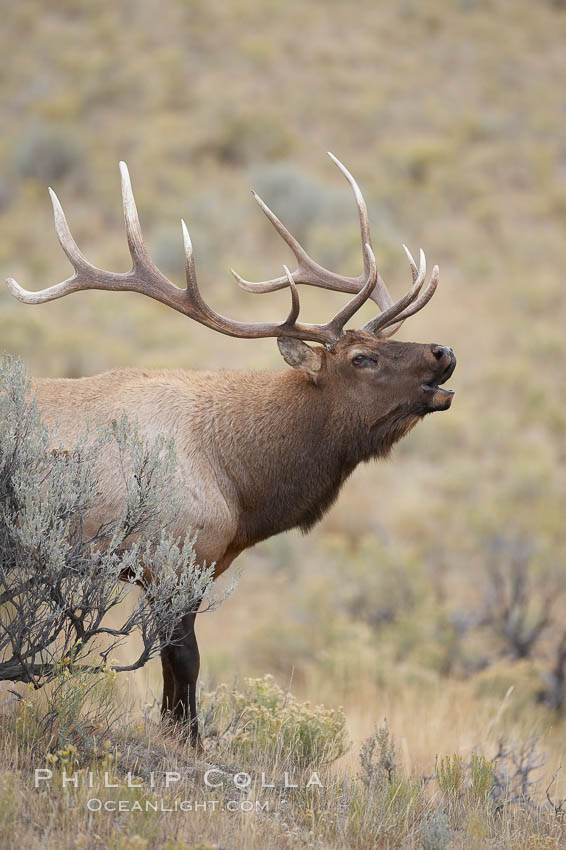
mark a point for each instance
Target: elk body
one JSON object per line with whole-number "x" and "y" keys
{"x": 259, "y": 452}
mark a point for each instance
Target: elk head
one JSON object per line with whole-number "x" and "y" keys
{"x": 383, "y": 377}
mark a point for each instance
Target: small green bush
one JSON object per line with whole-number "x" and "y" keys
{"x": 451, "y": 774}
{"x": 377, "y": 758}
{"x": 264, "y": 720}
{"x": 57, "y": 583}
{"x": 47, "y": 154}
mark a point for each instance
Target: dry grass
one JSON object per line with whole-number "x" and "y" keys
{"x": 125, "y": 785}
{"x": 451, "y": 115}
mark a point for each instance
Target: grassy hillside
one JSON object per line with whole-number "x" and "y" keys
{"x": 416, "y": 597}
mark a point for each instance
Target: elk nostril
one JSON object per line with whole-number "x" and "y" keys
{"x": 439, "y": 351}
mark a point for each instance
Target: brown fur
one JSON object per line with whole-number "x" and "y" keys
{"x": 259, "y": 452}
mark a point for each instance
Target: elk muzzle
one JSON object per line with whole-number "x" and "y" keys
{"x": 444, "y": 363}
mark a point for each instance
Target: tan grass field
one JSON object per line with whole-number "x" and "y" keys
{"x": 451, "y": 115}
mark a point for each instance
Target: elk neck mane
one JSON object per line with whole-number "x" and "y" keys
{"x": 278, "y": 447}
{"x": 287, "y": 446}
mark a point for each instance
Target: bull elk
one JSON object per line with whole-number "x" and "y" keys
{"x": 261, "y": 452}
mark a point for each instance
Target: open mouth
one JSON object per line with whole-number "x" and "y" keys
{"x": 436, "y": 387}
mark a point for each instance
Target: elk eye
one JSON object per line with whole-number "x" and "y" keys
{"x": 359, "y": 360}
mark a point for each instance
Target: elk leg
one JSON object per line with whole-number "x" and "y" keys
{"x": 168, "y": 685}
{"x": 181, "y": 664}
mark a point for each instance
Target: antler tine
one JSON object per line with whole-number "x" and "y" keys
{"x": 358, "y": 300}
{"x": 381, "y": 294}
{"x": 68, "y": 244}
{"x": 392, "y": 329}
{"x": 146, "y": 279}
{"x": 190, "y": 271}
{"x": 424, "y": 298}
{"x": 136, "y": 244}
{"x": 198, "y": 309}
{"x": 295, "y": 246}
{"x": 413, "y": 265}
{"x": 308, "y": 271}
{"x": 388, "y": 316}
{"x": 73, "y": 253}
{"x": 360, "y": 203}
{"x": 295, "y": 302}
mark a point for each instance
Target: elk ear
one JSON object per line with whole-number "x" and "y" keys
{"x": 300, "y": 356}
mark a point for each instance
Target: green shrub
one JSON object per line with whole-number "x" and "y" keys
{"x": 377, "y": 758}
{"x": 436, "y": 832}
{"x": 451, "y": 774}
{"x": 47, "y": 154}
{"x": 57, "y": 583}
{"x": 482, "y": 776}
{"x": 263, "y": 720}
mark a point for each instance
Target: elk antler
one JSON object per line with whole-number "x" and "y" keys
{"x": 310, "y": 272}
{"x": 145, "y": 278}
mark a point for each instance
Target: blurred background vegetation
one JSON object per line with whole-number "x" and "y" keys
{"x": 433, "y": 592}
